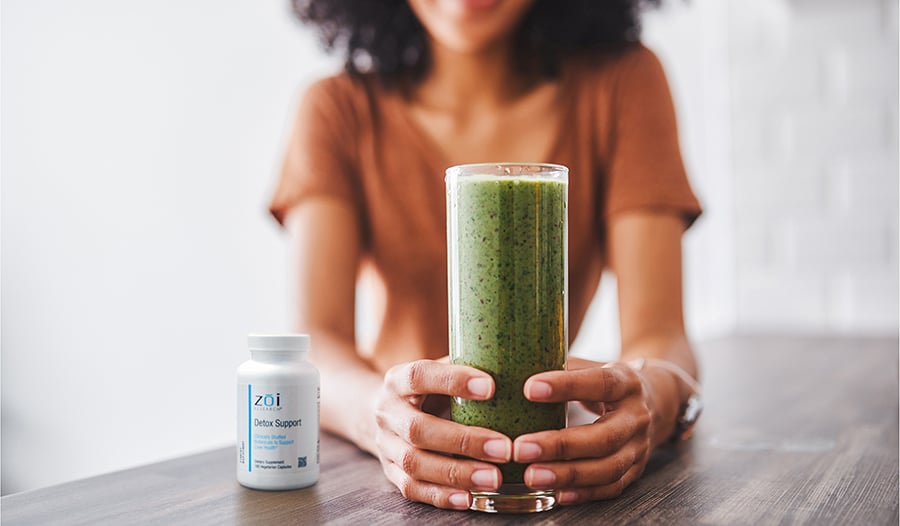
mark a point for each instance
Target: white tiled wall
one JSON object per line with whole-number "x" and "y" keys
{"x": 814, "y": 157}
{"x": 787, "y": 113}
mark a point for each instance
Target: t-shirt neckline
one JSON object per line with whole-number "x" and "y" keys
{"x": 436, "y": 156}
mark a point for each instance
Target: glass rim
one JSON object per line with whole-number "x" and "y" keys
{"x": 540, "y": 169}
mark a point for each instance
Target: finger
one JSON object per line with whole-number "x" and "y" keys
{"x": 427, "y": 492}
{"x": 595, "y": 440}
{"x": 429, "y": 432}
{"x": 584, "y": 473}
{"x": 594, "y": 384}
{"x": 423, "y": 377}
{"x": 608, "y": 491}
{"x": 439, "y": 469}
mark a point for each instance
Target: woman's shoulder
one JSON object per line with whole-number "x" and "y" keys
{"x": 341, "y": 101}
{"x": 609, "y": 67}
{"x": 342, "y": 88}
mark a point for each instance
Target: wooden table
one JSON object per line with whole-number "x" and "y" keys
{"x": 796, "y": 430}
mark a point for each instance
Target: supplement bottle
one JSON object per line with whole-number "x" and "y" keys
{"x": 277, "y": 414}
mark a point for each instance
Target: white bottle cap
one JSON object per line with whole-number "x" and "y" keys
{"x": 278, "y": 342}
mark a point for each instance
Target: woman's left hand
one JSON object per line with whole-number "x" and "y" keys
{"x": 598, "y": 460}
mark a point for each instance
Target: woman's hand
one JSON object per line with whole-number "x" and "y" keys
{"x": 416, "y": 448}
{"x": 598, "y": 460}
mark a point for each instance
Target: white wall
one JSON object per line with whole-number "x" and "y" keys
{"x": 815, "y": 154}
{"x": 139, "y": 145}
{"x": 788, "y": 120}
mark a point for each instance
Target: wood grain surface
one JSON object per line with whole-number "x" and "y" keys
{"x": 796, "y": 430}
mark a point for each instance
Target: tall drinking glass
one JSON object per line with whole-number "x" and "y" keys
{"x": 508, "y": 282}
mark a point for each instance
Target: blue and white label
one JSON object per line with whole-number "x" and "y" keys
{"x": 277, "y": 428}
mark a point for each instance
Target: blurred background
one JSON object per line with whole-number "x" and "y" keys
{"x": 140, "y": 141}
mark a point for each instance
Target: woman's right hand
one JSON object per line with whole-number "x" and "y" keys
{"x": 417, "y": 450}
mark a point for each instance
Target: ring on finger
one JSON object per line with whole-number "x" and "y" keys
{"x": 602, "y": 412}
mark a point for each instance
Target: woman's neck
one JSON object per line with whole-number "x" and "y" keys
{"x": 462, "y": 82}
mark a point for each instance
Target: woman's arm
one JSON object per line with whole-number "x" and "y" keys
{"x": 645, "y": 255}
{"x": 637, "y": 408}
{"x": 324, "y": 258}
{"x": 383, "y": 413}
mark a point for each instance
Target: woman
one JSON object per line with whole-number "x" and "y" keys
{"x": 434, "y": 83}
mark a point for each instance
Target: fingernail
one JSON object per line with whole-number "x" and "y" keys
{"x": 486, "y": 478}
{"x": 527, "y": 451}
{"x": 566, "y": 497}
{"x": 460, "y": 501}
{"x": 480, "y": 387}
{"x": 539, "y": 390}
{"x": 542, "y": 477}
{"x": 498, "y": 448}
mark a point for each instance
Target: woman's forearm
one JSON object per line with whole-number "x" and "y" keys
{"x": 349, "y": 389}
{"x": 324, "y": 258}
{"x": 645, "y": 253}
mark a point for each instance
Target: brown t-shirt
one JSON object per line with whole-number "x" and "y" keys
{"x": 354, "y": 141}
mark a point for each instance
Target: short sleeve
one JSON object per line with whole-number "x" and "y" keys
{"x": 645, "y": 169}
{"x": 320, "y": 155}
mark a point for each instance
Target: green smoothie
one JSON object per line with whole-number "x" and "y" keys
{"x": 508, "y": 288}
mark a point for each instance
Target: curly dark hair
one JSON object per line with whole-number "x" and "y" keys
{"x": 385, "y": 37}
